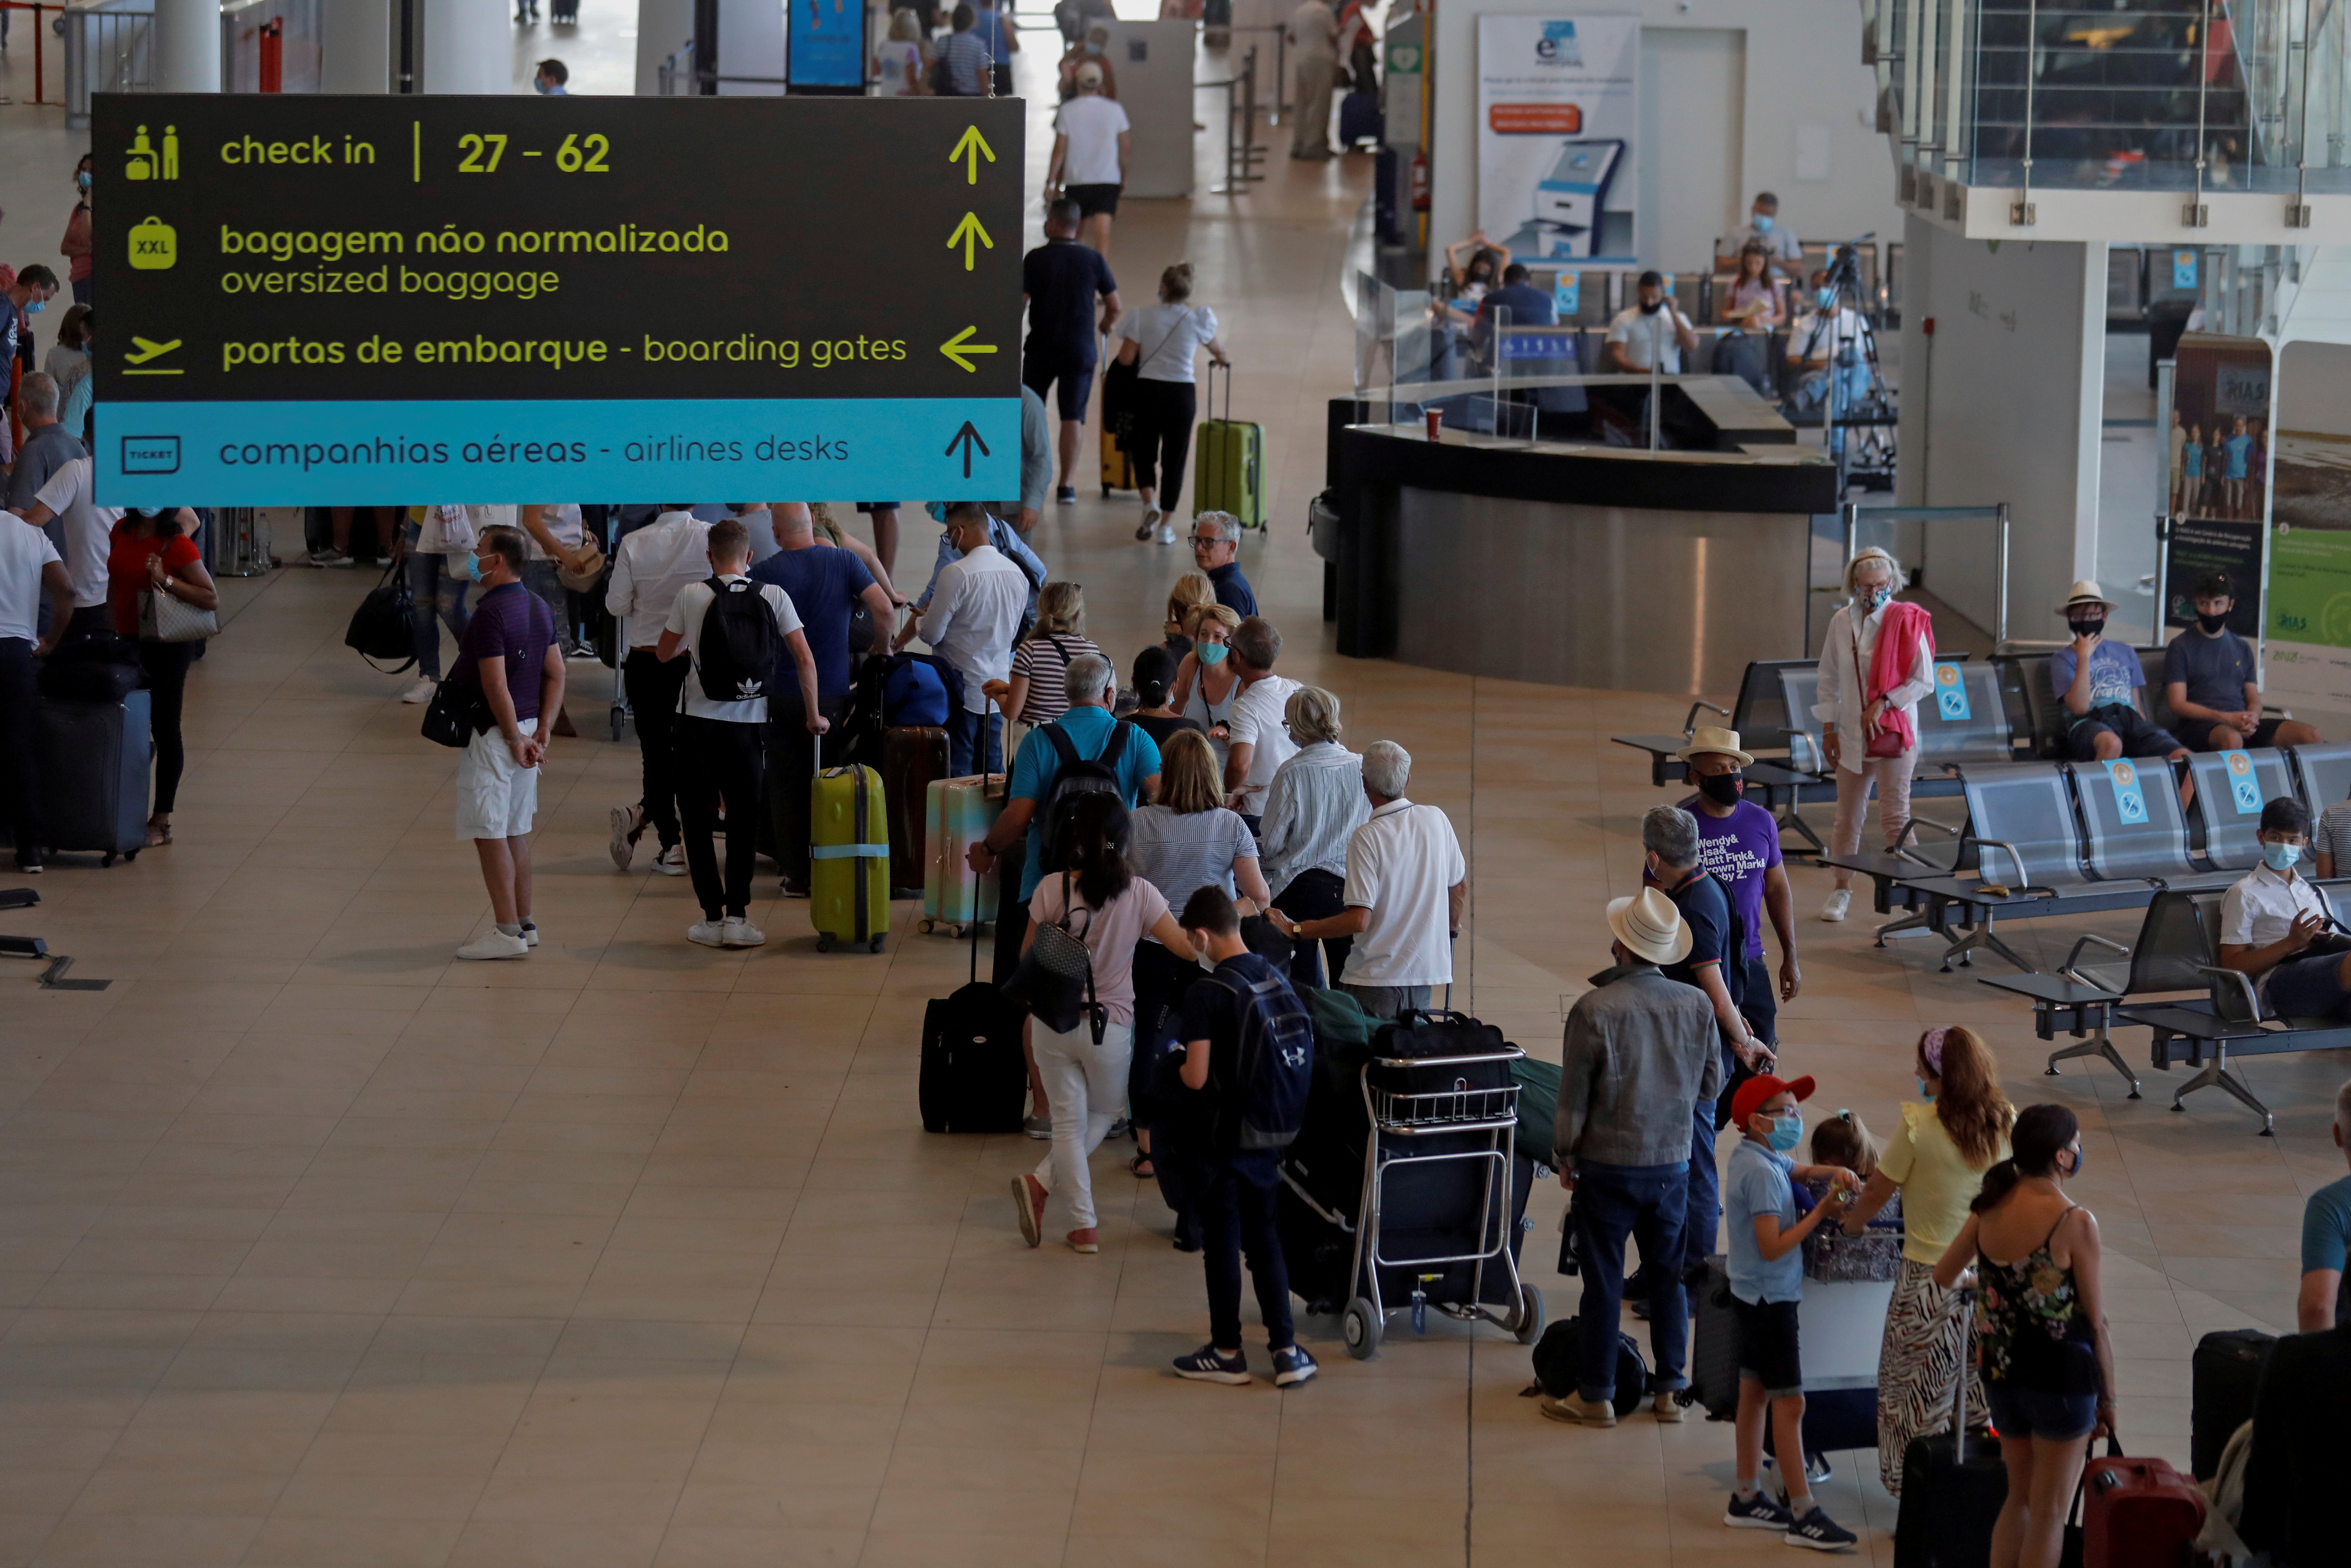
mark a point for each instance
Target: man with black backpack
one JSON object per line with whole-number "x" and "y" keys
{"x": 736, "y": 633}
{"x": 1249, "y": 1049}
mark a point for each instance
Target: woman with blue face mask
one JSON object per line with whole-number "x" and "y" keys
{"x": 1876, "y": 665}
{"x": 1206, "y": 685}
{"x": 2275, "y": 927}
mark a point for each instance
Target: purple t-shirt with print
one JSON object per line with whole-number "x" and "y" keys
{"x": 1737, "y": 850}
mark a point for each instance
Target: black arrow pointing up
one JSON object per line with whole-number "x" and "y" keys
{"x": 966, "y": 438}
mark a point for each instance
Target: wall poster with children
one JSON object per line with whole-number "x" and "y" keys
{"x": 2218, "y": 448}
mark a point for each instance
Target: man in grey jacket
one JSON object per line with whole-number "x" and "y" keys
{"x": 1640, "y": 1056}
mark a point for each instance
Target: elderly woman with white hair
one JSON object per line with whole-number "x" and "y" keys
{"x": 1407, "y": 886}
{"x": 1312, "y": 808}
{"x": 1878, "y": 662}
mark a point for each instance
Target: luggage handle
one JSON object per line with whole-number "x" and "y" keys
{"x": 1967, "y": 1300}
{"x": 1228, "y": 387}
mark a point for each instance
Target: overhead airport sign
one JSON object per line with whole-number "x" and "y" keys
{"x": 319, "y": 300}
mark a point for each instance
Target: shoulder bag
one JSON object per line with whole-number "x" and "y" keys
{"x": 456, "y": 713}
{"x": 1055, "y": 979}
{"x": 164, "y": 618}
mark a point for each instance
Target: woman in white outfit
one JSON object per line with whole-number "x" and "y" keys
{"x": 1099, "y": 899}
{"x": 1852, "y": 715}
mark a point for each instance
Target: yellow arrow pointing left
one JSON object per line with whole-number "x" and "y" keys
{"x": 966, "y": 232}
{"x": 960, "y": 345}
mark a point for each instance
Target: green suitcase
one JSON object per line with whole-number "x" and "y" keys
{"x": 848, "y": 859}
{"x": 1228, "y": 462}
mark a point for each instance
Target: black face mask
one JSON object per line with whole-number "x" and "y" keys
{"x": 2212, "y": 623}
{"x": 1651, "y": 306}
{"x": 2088, "y": 627}
{"x": 1723, "y": 789}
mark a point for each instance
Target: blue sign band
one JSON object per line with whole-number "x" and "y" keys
{"x": 407, "y": 453}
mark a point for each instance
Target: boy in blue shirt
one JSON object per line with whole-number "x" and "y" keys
{"x": 1767, "y": 1281}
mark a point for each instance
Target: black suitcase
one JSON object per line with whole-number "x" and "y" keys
{"x": 2225, "y": 1377}
{"x": 1714, "y": 1345}
{"x": 1557, "y": 1355}
{"x": 95, "y": 760}
{"x": 1360, "y": 120}
{"x": 103, "y": 669}
{"x": 974, "y": 1078}
{"x": 1953, "y": 1485}
{"x": 1118, "y": 419}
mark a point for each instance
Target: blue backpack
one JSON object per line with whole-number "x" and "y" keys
{"x": 1276, "y": 1060}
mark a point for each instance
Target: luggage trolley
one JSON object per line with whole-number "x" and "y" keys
{"x": 1441, "y": 1122}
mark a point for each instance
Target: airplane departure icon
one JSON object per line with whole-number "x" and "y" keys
{"x": 149, "y": 349}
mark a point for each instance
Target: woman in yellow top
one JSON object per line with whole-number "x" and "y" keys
{"x": 1936, "y": 1159}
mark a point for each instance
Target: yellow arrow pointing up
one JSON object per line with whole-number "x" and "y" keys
{"x": 961, "y": 344}
{"x": 972, "y": 148}
{"x": 966, "y": 232}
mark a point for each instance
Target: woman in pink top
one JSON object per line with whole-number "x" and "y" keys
{"x": 1099, "y": 899}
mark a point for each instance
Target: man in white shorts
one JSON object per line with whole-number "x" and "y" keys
{"x": 510, "y": 657}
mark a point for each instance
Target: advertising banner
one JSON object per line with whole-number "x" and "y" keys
{"x": 368, "y": 299}
{"x": 827, "y": 49}
{"x": 2219, "y": 456}
{"x": 1558, "y": 111}
{"x": 2309, "y": 620}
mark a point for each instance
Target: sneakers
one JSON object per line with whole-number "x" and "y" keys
{"x": 738, "y": 933}
{"x": 493, "y": 943}
{"x": 1667, "y": 1407}
{"x": 1577, "y": 1410}
{"x": 421, "y": 692}
{"x": 709, "y": 933}
{"x": 530, "y": 933}
{"x": 1838, "y": 902}
{"x": 1205, "y": 1366}
{"x": 330, "y": 558}
{"x": 1029, "y": 1199}
{"x": 1085, "y": 1239}
{"x": 1294, "y": 1366}
{"x": 1039, "y": 1127}
{"x": 29, "y": 865}
{"x": 671, "y": 862}
{"x": 1166, "y": 534}
{"x": 1150, "y": 521}
{"x": 1067, "y": 495}
{"x": 1819, "y": 1531}
{"x": 628, "y": 827}
{"x": 1761, "y": 1511}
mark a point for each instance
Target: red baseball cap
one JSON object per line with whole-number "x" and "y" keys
{"x": 1757, "y": 1090}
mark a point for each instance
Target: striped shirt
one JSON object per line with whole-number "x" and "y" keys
{"x": 968, "y": 66}
{"x": 1044, "y": 660}
{"x": 1312, "y": 807}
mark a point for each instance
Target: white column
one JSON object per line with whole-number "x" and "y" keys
{"x": 355, "y": 54}
{"x": 468, "y": 47}
{"x": 187, "y": 45}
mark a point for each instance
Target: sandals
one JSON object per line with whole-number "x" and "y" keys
{"x": 1139, "y": 1166}
{"x": 159, "y": 831}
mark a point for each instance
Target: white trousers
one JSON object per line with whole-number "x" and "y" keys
{"x": 1086, "y": 1085}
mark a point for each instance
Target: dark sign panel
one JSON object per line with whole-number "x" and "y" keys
{"x": 316, "y": 299}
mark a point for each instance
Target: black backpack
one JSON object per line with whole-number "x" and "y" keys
{"x": 1276, "y": 1060}
{"x": 740, "y": 643}
{"x": 1075, "y": 776}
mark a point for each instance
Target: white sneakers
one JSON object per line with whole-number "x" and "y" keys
{"x": 1167, "y": 533}
{"x": 421, "y": 692}
{"x": 1150, "y": 521}
{"x": 493, "y": 943}
{"x": 1838, "y": 902}
{"x": 734, "y": 932}
{"x": 672, "y": 861}
{"x": 627, "y": 824}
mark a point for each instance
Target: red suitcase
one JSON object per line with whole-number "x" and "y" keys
{"x": 2138, "y": 1513}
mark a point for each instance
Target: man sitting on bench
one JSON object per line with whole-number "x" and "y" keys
{"x": 2213, "y": 682}
{"x": 2099, "y": 682}
{"x": 2273, "y": 917}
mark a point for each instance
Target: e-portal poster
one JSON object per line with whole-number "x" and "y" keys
{"x": 1558, "y": 108}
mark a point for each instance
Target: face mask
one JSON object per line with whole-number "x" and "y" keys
{"x": 2088, "y": 627}
{"x": 1210, "y": 652}
{"x": 1874, "y": 598}
{"x": 473, "y": 568}
{"x": 1762, "y": 223}
{"x": 1787, "y": 1132}
{"x": 938, "y": 509}
{"x": 1824, "y": 297}
{"x": 2212, "y": 623}
{"x": 82, "y": 180}
{"x": 2281, "y": 857}
{"x": 1924, "y": 1091}
{"x": 36, "y": 307}
{"x": 2077, "y": 1162}
{"x": 147, "y": 510}
{"x": 1651, "y": 306}
{"x": 539, "y": 88}
{"x": 1723, "y": 789}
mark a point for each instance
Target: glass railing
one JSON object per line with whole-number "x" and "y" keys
{"x": 2178, "y": 95}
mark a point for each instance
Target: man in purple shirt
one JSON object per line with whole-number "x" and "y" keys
{"x": 1738, "y": 842}
{"x": 509, "y": 659}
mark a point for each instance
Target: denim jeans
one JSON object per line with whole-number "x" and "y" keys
{"x": 1236, "y": 1201}
{"x": 1702, "y": 1211}
{"x": 1613, "y": 1202}
{"x": 436, "y": 593}
{"x": 965, "y": 732}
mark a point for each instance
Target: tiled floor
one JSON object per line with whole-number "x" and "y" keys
{"x": 319, "y": 1248}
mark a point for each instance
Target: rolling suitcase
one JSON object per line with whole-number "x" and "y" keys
{"x": 2225, "y": 1377}
{"x": 848, "y": 858}
{"x": 1228, "y": 463}
{"x": 913, "y": 758}
{"x": 2136, "y": 1513}
{"x": 1952, "y": 1487}
{"x": 1714, "y": 1345}
{"x": 95, "y": 760}
{"x": 956, "y": 815}
{"x": 1118, "y": 425}
{"x": 1360, "y": 120}
{"x": 974, "y": 1077}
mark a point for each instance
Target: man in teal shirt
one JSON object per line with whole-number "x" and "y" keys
{"x": 2325, "y": 1238}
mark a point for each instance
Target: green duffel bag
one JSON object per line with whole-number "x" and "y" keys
{"x": 1538, "y": 1105}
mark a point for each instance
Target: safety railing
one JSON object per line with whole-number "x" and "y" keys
{"x": 109, "y": 47}
{"x": 1243, "y": 151}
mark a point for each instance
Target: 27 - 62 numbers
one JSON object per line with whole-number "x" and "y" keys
{"x": 577, "y": 155}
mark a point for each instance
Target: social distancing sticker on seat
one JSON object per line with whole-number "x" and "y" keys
{"x": 1950, "y": 692}
{"x": 2130, "y": 799}
{"x": 2244, "y": 788}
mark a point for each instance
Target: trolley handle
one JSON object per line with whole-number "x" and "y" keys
{"x": 1511, "y": 1053}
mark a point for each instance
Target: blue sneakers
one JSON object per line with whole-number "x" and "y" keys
{"x": 1292, "y": 1366}
{"x": 1819, "y": 1532}
{"x": 1761, "y": 1511}
{"x": 1205, "y": 1366}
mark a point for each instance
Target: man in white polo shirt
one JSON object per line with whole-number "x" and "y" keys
{"x": 1407, "y": 886}
{"x": 28, "y": 564}
{"x": 89, "y": 535}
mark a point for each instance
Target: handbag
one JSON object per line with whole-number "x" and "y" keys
{"x": 451, "y": 719}
{"x": 456, "y": 527}
{"x": 583, "y": 577}
{"x": 384, "y": 626}
{"x": 1055, "y": 979}
{"x": 1887, "y": 742}
{"x": 164, "y": 618}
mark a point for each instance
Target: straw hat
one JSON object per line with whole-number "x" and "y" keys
{"x": 1650, "y": 926}
{"x": 2086, "y": 592}
{"x": 1706, "y": 740}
